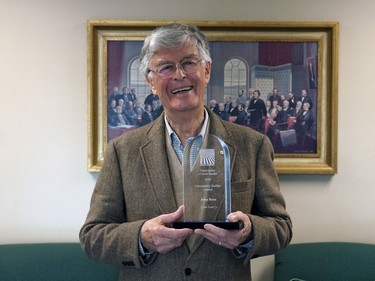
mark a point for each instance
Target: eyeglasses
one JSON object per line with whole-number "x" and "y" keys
{"x": 167, "y": 70}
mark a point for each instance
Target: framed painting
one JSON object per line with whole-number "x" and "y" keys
{"x": 279, "y": 78}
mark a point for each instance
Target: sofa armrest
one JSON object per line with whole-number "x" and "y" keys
{"x": 333, "y": 261}
{"x": 52, "y": 262}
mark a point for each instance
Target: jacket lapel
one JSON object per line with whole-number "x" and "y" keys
{"x": 156, "y": 165}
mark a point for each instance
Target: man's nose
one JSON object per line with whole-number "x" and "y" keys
{"x": 180, "y": 72}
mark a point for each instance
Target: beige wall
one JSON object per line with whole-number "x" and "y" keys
{"x": 44, "y": 186}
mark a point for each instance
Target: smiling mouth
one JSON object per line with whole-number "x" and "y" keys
{"x": 180, "y": 90}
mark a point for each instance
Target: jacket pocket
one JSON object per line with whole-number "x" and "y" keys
{"x": 242, "y": 196}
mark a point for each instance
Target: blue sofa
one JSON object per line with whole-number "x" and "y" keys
{"x": 333, "y": 261}
{"x": 329, "y": 261}
{"x": 51, "y": 262}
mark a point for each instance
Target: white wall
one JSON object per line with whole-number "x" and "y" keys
{"x": 44, "y": 186}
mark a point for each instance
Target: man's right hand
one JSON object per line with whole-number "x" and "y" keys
{"x": 158, "y": 236}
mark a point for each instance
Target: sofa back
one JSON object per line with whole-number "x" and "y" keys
{"x": 329, "y": 261}
{"x": 51, "y": 262}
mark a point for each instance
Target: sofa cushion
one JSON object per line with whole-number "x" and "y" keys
{"x": 51, "y": 262}
{"x": 329, "y": 261}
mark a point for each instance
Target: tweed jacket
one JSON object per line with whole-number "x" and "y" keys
{"x": 135, "y": 185}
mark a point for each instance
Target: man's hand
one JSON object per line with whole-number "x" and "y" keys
{"x": 228, "y": 238}
{"x": 156, "y": 234}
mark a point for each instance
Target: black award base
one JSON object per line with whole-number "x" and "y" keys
{"x": 200, "y": 224}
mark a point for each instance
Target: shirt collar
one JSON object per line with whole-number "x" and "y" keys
{"x": 202, "y": 131}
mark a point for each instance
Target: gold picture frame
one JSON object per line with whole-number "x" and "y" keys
{"x": 317, "y": 71}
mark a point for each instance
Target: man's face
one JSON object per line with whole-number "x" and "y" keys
{"x": 181, "y": 92}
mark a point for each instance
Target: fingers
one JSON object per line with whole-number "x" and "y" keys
{"x": 156, "y": 235}
{"x": 168, "y": 219}
{"x": 247, "y": 229}
{"x": 228, "y": 238}
{"x": 235, "y": 217}
{"x": 219, "y": 236}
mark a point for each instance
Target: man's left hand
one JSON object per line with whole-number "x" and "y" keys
{"x": 228, "y": 238}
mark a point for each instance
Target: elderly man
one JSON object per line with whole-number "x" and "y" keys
{"x": 138, "y": 194}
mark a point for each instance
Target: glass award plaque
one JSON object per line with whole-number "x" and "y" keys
{"x": 207, "y": 187}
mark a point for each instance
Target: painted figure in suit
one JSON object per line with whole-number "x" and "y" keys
{"x": 117, "y": 118}
{"x": 241, "y": 98}
{"x": 242, "y": 115}
{"x": 146, "y": 115}
{"x": 304, "y": 120}
{"x": 227, "y": 103}
{"x": 278, "y": 123}
{"x": 138, "y": 194}
{"x": 132, "y": 95}
{"x": 124, "y": 94}
{"x": 222, "y": 113}
{"x": 298, "y": 109}
{"x": 214, "y": 106}
{"x": 112, "y": 113}
{"x": 258, "y": 109}
{"x": 233, "y": 111}
{"x": 275, "y": 96}
{"x": 292, "y": 100}
{"x": 287, "y": 109}
{"x": 305, "y": 98}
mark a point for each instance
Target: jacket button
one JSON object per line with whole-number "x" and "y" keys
{"x": 188, "y": 271}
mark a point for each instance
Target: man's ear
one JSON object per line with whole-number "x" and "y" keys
{"x": 151, "y": 84}
{"x": 207, "y": 71}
